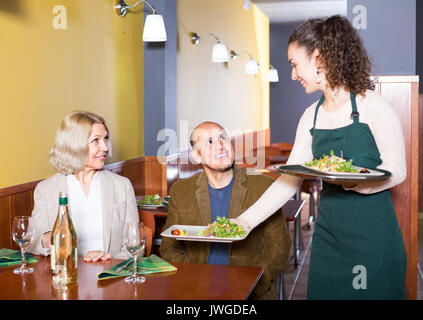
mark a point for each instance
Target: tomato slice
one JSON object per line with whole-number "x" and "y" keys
{"x": 176, "y": 232}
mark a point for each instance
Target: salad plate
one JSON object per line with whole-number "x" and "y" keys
{"x": 369, "y": 173}
{"x": 149, "y": 202}
{"x": 334, "y": 165}
{"x": 192, "y": 234}
{"x": 331, "y": 167}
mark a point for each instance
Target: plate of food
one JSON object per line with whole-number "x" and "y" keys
{"x": 332, "y": 167}
{"x": 149, "y": 201}
{"x": 221, "y": 230}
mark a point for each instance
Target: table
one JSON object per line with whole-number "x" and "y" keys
{"x": 189, "y": 282}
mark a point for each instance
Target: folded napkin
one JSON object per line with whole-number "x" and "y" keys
{"x": 10, "y": 257}
{"x": 151, "y": 264}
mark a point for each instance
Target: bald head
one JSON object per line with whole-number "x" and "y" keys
{"x": 203, "y": 126}
{"x": 212, "y": 147}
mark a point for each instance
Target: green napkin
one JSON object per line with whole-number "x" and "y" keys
{"x": 151, "y": 264}
{"x": 10, "y": 257}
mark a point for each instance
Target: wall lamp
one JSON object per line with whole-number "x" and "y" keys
{"x": 154, "y": 28}
{"x": 272, "y": 76}
{"x": 219, "y": 52}
{"x": 251, "y": 67}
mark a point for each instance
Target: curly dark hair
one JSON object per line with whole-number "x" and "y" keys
{"x": 342, "y": 54}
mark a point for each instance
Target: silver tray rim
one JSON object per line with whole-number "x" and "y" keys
{"x": 331, "y": 177}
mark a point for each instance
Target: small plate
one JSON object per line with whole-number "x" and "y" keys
{"x": 193, "y": 234}
{"x": 148, "y": 206}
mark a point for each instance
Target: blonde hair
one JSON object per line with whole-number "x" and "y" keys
{"x": 70, "y": 150}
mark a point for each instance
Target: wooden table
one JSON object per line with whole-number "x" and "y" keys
{"x": 189, "y": 282}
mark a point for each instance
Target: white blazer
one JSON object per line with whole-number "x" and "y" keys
{"x": 118, "y": 202}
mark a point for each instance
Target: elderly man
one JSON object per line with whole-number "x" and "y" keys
{"x": 225, "y": 190}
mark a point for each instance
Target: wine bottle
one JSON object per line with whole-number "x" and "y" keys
{"x": 64, "y": 252}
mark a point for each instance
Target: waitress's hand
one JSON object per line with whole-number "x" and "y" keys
{"x": 241, "y": 223}
{"x": 97, "y": 255}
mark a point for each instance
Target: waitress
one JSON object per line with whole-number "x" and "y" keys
{"x": 358, "y": 250}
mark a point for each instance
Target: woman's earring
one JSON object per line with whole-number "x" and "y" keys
{"x": 318, "y": 80}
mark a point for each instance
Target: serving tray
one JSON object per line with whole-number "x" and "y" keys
{"x": 305, "y": 172}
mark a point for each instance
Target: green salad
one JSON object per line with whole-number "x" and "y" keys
{"x": 150, "y": 200}
{"x": 332, "y": 163}
{"x": 222, "y": 228}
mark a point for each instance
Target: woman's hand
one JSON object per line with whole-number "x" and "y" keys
{"x": 241, "y": 223}
{"x": 97, "y": 255}
{"x": 46, "y": 240}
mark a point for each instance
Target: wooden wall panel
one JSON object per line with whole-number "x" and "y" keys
{"x": 20, "y": 204}
{"x": 421, "y": 152}
{"x": 147, "y": 174}
{"x": 153, "y": 177}
{"x": 402, "y": 93}
{"x": 14, "y": 201}
{"x": 5, "y": 226}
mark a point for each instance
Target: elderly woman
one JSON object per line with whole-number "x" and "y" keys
{"x": 100, "y": 202}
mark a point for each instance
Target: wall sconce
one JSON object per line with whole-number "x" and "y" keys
{"x": 246, "y": 4}
{"x": 219, "y": 52}
{"x": 154, "y": 28}
{"x": 251, "y": 67}
{"x": 272, "y": 76}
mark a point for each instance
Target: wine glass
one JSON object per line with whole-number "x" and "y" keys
{"x": 134, "y": 240}
{"x": 22, "y": 232}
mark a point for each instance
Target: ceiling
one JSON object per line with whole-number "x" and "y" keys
{"x": 289, "y": 11}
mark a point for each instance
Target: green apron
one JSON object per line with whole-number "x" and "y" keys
{"x": 357, "y": 247}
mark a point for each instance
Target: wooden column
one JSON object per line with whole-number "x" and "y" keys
{"x": 421, "y": 152}
{"x": 403, "y": 94}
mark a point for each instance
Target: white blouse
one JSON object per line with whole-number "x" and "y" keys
{"x": 386, "y": 128}
{"x": 86, "y": 214}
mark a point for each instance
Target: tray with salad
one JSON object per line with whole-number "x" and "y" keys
{"x": 331, "y": 167}
{"x": 221, "y": 230}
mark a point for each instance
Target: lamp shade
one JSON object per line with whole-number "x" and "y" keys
{"x": 272, "y": 76}
{"x": 154, "y": 29}
{"x": 251, "y": 67}
{"x": 220, "y": 53}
